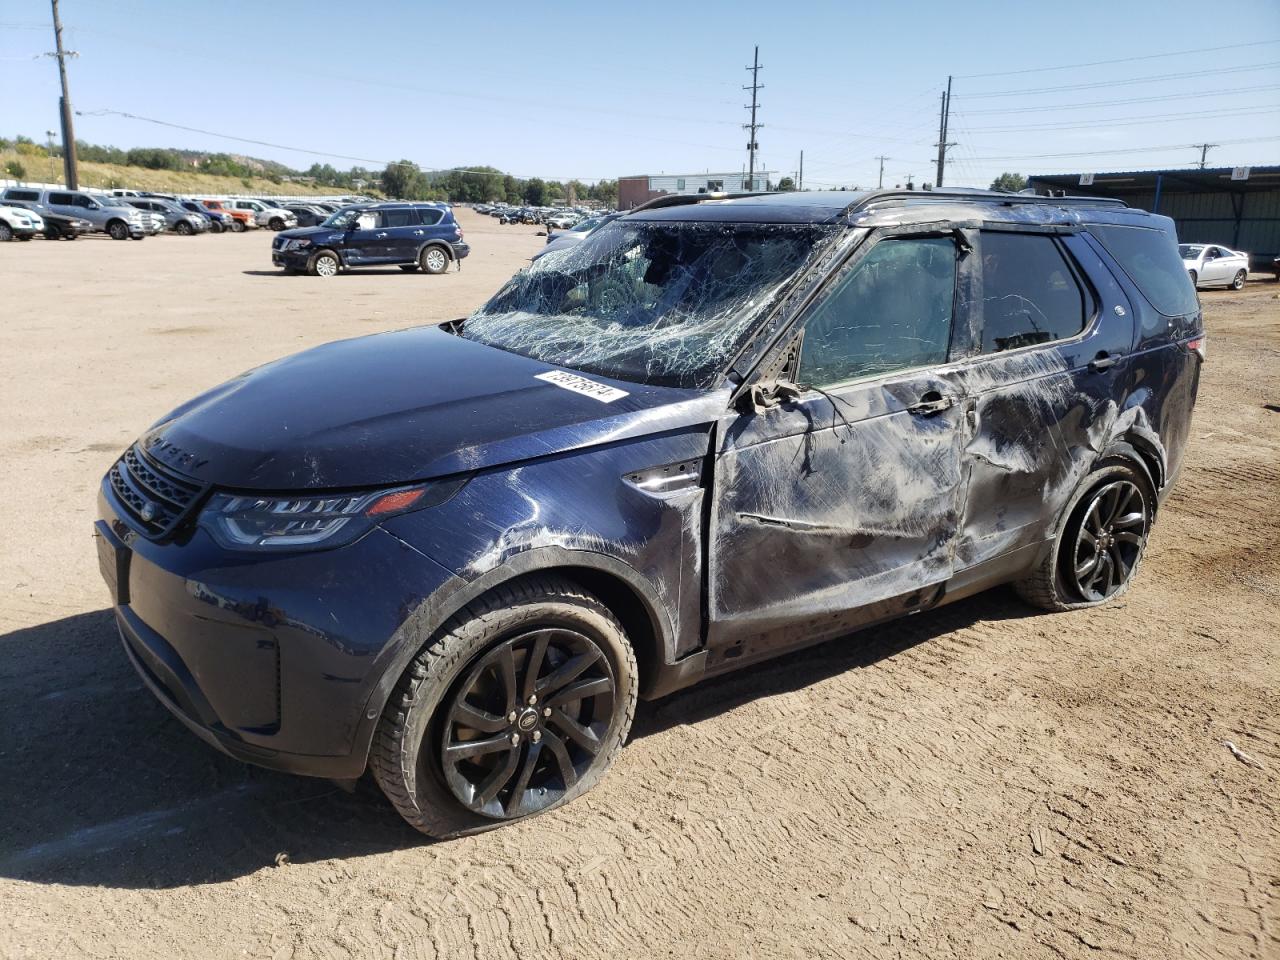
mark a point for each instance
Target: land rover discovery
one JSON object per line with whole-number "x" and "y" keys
{"x": 714, "y": 430}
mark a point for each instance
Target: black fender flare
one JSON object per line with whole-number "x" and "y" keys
{"x": 425, "y": 622}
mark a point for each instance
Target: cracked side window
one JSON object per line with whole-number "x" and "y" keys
{"x": 892, "y": 311}
{"x": 1029, "y": 294}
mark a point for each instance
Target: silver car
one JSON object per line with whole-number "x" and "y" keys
{"x": 182, "y": 222}
{"x": 110, "y": 215}
{"x": 1209, "y": 264}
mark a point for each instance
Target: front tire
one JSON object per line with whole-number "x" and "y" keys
{"x": 1237, "y": 282}
{"x": 276, "y": 224}
{"x": 237, "y": 226}
{"x": 183, "y": 229}
{"x": 6, "y": 232}
{"x": 1195, "y": 279}
{"x": 118, "y": 230}
{"x": 324, "y": 264}
{"x": 1099, "y": 548}
{"x": 51, "y": 232}
{"x": 517, "y": 708}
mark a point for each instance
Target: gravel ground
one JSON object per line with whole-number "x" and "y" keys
{"x": 981, "y": 781}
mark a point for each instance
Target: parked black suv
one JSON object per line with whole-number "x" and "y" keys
{"x": 412, "y": 236}
{"x": 713, "y": 431}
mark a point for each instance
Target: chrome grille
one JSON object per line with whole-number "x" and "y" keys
{"x": 155, "y": 499}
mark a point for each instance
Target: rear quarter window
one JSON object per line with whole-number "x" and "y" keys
{"x": 22, "y": 195}
{"x": 1151, "y": 260}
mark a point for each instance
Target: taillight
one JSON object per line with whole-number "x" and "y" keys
{"x": 1199, "y": 346}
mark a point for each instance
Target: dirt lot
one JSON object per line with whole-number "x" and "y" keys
{"x": 979, "y": 782}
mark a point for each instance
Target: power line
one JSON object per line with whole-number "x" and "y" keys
{"x": 1151, "y": 78}
{"x": 316, "y": 153}
{"x": 1125, "y": 121}
{"x": 1043, "y": 108}
{"x": 1102, "y": 63}
{"x": 1100, "y": 153}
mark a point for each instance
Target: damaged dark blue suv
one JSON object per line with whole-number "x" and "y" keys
{"x": 715, "y": 430}
{"x": 412, "y": 236}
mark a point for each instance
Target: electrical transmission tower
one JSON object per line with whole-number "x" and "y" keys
{"x": 752, "y": 145}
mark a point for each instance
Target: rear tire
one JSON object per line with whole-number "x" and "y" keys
{"x": 1237, "y": 282}
{"x": 473, "y": 684}
{"x": 1108, "y": 522}
{"x": 118, "y": 230}
{"x": 433, "y": 260}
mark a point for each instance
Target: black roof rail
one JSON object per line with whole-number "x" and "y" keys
{"x": 965, "y": 193}
{"x": 684, "y": 199}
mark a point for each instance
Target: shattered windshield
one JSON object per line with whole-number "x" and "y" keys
{"x": 650, "y": 301}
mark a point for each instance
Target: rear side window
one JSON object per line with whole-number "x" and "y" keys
{"x": 63, "y": 199}
{"x": 22, "y": 194}
{"x": 892, "y": 311}
{"x": 1150, "y": 259}
{"x": 431, "y": 217}
{"x": 1029, "y": 294}
{"x": 398, "y": 218}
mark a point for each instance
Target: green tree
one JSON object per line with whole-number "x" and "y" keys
{"x": 1009, "y": 182}
{"x": 404, "y": 181}
{"x": 16, "y": 170}
{"x": 535, "y": 192}
{"x": 786, "y": 183}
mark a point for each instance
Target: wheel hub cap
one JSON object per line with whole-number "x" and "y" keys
{"x": 527, "y": 722}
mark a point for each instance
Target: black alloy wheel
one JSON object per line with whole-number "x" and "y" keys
{"x": 6, "y": 232}
{"x": 1109, "y": 541}
{"x": 183, "y": 229}
{"x": 527, "y": 722}
{"x": 118, "y": 230}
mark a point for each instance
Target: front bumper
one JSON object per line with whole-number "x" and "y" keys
{"x": 291, "y": 259}
{"x": 273, "y": 659}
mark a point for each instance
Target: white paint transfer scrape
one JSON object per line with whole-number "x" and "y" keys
{"x": 589, "y": 388}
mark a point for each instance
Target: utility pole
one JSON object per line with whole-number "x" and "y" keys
{"x": 880, "y": 185}
{"x": 1204, "y": 151}
{"x": 944, "y": 119}
{"x": 752, "y": 146}
{"x": 800, "y": 185}
{"x": 69, "y": 167}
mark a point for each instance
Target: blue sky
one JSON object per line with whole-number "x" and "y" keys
{"x": 595, "y": 90}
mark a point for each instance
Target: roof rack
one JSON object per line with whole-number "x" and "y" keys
{"x": 973, "y": 193}
{"x": 684, "y": 199}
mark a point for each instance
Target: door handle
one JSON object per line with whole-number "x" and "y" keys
{"x": 931, "y": 403}
{"x": 1103, "y": 361}
{"x": 417, "y": 233}
{"x": 380, "y": 236}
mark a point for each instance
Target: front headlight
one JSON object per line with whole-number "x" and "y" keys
{"x": 300, "y": 244}
{"x": 251, "y": 522}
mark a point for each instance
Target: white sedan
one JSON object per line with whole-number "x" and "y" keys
{"x": 1208, "y": 264}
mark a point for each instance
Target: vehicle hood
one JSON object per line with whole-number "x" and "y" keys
{"x": 398, "y": 407}
{"x": 316, "y": 234}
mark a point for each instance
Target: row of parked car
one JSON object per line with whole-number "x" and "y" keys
{"x": 58, "y": 213}
{"x": 561, "y": 218}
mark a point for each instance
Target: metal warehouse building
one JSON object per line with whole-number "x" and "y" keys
{"x": 1238, "y": 207}
{"x": 633, "y": 191}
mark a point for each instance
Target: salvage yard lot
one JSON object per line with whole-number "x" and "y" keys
{"x": 980, "y": 781}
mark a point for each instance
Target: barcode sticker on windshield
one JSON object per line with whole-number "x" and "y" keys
{"x": 589, "y": 388}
